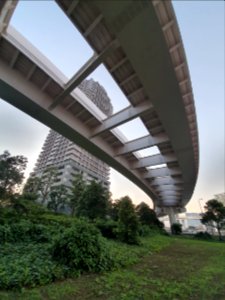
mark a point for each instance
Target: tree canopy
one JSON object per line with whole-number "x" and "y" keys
{"x": 58, "y": 197}
{"x": 128, "y": 221}
{"x": 94, "y": 201}
{"x": 147, "y": 216}
{"x": 77, "y": 191}
{"x": 11, "y": 173}
{"x": 31, "y": 188}
{"x": 47, "y": 180}
{"x": 214, "y": 215}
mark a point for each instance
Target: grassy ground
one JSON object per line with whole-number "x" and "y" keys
{"x": 162, "y": 268}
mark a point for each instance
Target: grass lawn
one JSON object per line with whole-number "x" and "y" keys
{"x": 162, "y": 268}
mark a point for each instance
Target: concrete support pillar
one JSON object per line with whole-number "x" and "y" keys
{"x": 172, "y": 216}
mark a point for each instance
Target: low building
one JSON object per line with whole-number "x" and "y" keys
{"x": 191, "y": 222}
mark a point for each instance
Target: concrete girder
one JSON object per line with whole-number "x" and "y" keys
{"x": 93, "y": 25}
{"x": 122, "y": 117}
{"x": 169, "y": 193}
{"x": 168, "y": 187}
{"x": 72, "y": 6}
{"x": 142, "y": 143}
{"x": 6, "y": 12}
{"x": 154, "y": 160}
{"x": 120, "y": 63}
{"x": 14, "y": 59}
{"x": 15, "y": 89}
{"x": 166, "y": 180}
{"x": 160, "y": 172}
{"x": 83, "y": 73}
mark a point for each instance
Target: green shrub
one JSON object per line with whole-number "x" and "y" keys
{"x": 24, "y": 231}
{"x": 108, "y": 228}
{"x": 176, "y": 228}
{"x": 27, "y": 265}
{"x": 203, "y": 235}
{"x": 82, "y": 248}
{"x": 5, "y": 234}
{"x": 56, "y": 220}
{"x": 145, "y": 230}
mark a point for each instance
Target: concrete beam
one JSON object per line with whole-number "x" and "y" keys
{"x": 161, "y": 172}
{"x": 166, "y": 180}
{"x": 72, "y": 6}
{"x": 169, "y": 193}
{"x": 84, "y": 71}
{"x": 142, "y": 143}
{"x": 93, "y": 25}
{"x": 6, "y": 12}
{"x": 123, "y": 116}
{"x": 154, "y": 160}
{"x": 168, "y": 187}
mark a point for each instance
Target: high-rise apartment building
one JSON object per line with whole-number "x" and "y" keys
{"x": 70, "y": 159}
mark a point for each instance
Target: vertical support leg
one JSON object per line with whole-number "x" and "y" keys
{"x": 172, "y": 217}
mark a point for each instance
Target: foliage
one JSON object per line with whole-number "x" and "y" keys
{"x": 82, "y": 248}
{"x": 145, "y": 230}
{"x": 77, "y": 191}
{"x": 94, "y": 202}
{"x": 215, "y": 213}
{"x": 114, "y": 207}
{"x": 147, "y": 216}
{"x": 176, "y": 228}
{"x": 11, "y": 172}
{"x": 31, "y": 188}
{"x": 46, "y": 182}
{"x": 108, "y": 228}
{"x": 154, "y": 275}
{"x": 128, "y": 223}
{"x": 203, "y": 235}
{"x": 23, "y": 231}
{"x": 58, "y": 197}
{"x": 27, "y": 265}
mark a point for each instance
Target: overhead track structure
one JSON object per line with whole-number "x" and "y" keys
{"x": 140, "y": 45}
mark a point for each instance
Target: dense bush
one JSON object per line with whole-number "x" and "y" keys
{"x": 23, "y": 231}
{"x": 176, "y": 228}
{"x": 145, "y": 230}
{"x": 108, "y": 228}
{"x": 81, "y": 247}
{"x": 27, "y": 265}
{"x": 203, "y": 235}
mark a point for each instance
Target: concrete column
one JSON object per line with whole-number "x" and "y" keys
{"x": 172, "y": 216}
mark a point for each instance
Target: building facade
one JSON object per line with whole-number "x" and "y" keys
{"x": 68, "y": 158}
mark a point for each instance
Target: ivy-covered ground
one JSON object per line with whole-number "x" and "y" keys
{"x": 161, "y": 268}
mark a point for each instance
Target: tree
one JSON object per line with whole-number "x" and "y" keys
{"x": 114, "y": 206}
{"x": 46, "y": 182}
{"x": 11, "y": 173}
{"x": 58, "y": 197}
{"x": 147, "y": 216}
{"x": 214, "y": 215}
{"x": 31, "y": 188}
{"x": 128, "y": 222}
{"x": 77, "y": 191}
{"x": 94, "y": 201}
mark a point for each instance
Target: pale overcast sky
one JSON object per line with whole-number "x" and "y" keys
{"x": 202, "y": 27}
